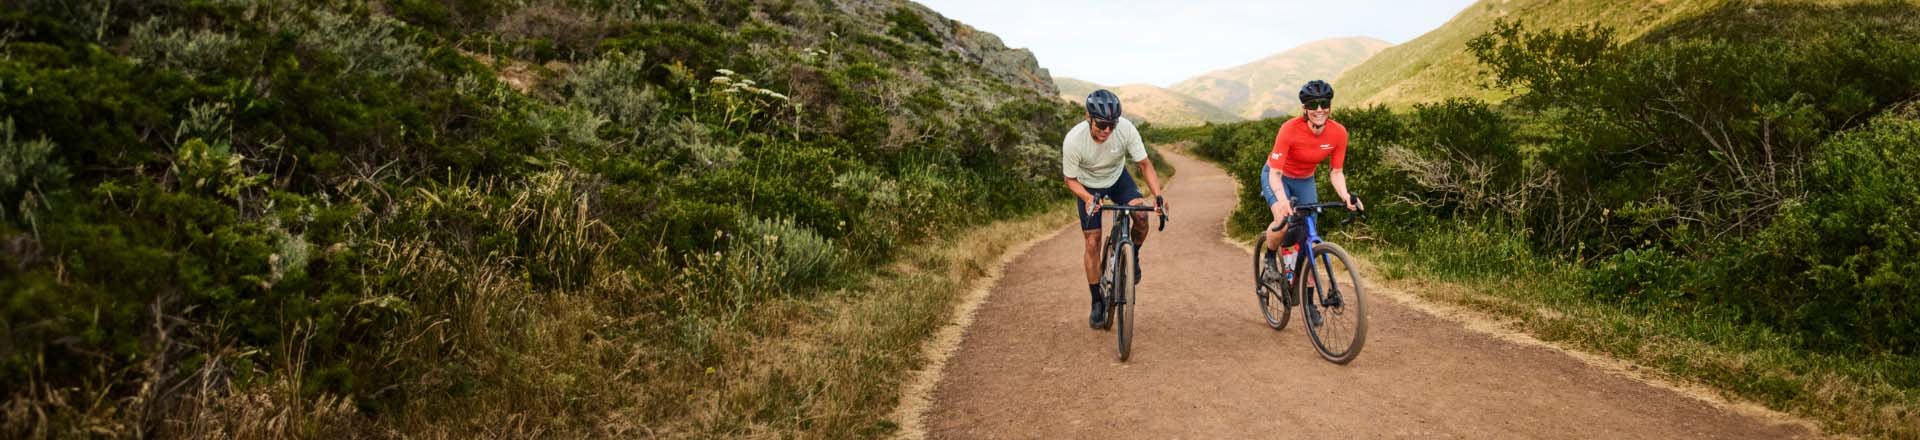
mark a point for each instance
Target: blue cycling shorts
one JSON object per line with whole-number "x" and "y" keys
{"x": 1301, "y": 189}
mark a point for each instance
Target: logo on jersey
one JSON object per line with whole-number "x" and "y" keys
{"x": 1273, "y": 156}
{"x": 1326, "y": 146}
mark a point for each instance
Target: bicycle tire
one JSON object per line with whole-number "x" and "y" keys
{"x": 1122, "y": 314}
{"x": 1276, "y": 310}
{"x": 1106, "y": 280}
{"x": 1340, "y": 343}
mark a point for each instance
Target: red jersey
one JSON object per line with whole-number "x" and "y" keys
{"x": 1297, "y": 151}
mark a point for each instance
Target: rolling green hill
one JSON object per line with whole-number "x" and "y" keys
{"x": 1436, "y": 65}
{"x": 1268, "y": 87}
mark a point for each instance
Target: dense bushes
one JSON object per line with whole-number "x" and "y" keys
{"x": 1716, "y": 126}
{"x": 1836, "y": 265}
{"x": 1441, "y": 161}
{"x": 341, "y": 204}
{"x": 1701, "y": 134}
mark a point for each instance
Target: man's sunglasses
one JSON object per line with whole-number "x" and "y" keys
{"x": 1319, "y": 104}
{"x": 1102, "y": 125}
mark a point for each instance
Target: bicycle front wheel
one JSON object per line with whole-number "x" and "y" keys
{"x": 1335, "y": 291}
{"x": 1277, "y": 311}
{"x": 1123, "y": 290}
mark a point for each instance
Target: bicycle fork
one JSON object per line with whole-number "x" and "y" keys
{"x": 1306, "y": 291}
{"x": 1121, "y": 235}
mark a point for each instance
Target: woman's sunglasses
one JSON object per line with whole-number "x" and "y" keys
{"x": 1319, "y": 104}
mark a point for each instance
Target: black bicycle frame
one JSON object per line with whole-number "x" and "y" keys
{"x": 1123, "y": 230}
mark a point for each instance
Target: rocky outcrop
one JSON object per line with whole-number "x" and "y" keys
{"x": 1017, "y": 67}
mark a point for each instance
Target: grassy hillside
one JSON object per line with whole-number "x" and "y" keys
{"x": 1073, "y": 89}
{"x": 1147, "y": 103}
{"x": 1162, "y": 107}
{"x": 493, "y": 218}
{"x": 1437, "y": 66}
{"x": 1723, "y": 199}
{"x": 1269, "y": 87}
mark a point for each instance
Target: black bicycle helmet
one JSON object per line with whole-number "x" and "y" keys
{"x": 1316, "y": 89}
{"x": 1103, "y": 105}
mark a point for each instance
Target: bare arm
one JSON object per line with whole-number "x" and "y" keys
{"x": 1153, "y": 177}
{"x": 1273, "y": 178}
{"x": 1081, "y": 192}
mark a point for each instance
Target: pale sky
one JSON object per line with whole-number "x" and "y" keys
{"x": 1162, "y": 42}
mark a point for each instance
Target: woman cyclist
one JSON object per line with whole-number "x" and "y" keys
{"x": 1298, "y": 148}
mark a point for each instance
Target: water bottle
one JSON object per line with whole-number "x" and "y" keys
{"x": 1286, "y": 258}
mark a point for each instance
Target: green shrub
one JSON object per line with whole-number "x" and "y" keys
{"x": 1717, "y": 128}
{"x": 1837, "y": 265}
{"x": 1641, "y": 277}
{"x": 612, "y": 86}
{"x": 196, "y": 52}
{"x": 907, "y": 25}
{"x": 797, "y": 256}
{"x": 377, "y": 45}
{"x": 25, "y": 164}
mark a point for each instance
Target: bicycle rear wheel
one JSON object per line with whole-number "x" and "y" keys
{"x": 1122, "y": 315}
{"x": 1271, "y": 305}
{"x": 1336, "y": 293}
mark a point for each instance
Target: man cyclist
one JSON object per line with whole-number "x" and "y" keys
{"x": 1093, "y": 157}
{"x": 1298, "y": 148}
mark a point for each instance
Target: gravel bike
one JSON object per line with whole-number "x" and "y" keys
{"x": 1116, "y": 286}
{"x": 1325, "y": 276}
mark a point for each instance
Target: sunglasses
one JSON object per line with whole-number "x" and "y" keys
{"x": 1319, "y": 104}
{"x": 1102, "y": 125}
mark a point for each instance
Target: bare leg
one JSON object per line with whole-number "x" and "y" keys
{"x": 1092, "y": 255}
{"x": 1139, "y": 224}
{"x": 1273, "y": 238}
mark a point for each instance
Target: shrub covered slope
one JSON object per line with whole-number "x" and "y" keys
{"x": 241, "y": 217}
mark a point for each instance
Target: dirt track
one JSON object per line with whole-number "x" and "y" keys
{"x": 1205, "y": 365}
